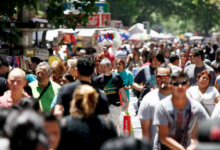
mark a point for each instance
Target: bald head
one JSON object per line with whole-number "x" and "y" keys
{"x": 17, "y": 72}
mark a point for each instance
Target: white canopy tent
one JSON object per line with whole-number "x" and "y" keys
{"x": 54, "y": 33}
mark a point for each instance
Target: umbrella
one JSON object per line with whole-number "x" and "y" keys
{"x": 139, "y": 37}
{"x": 126, "y": 36}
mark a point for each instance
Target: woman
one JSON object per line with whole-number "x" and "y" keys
{"x": 57, "y": 69}
{"x": 98, "y": 70}
{"x": 217, "y": 57}
{"x": 216, "y": 67}
{"x": 130, "y": 57}
{"x": 182, "y": 60}
{"x": 207, "y": 95}
{"x": 136, "y": 62}
{"x": 71, "y": 67}
{"x": 86, "y": 130}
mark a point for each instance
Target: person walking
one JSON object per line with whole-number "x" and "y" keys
{"x": 108, "y": 55}
{"x": 149, "y": 102}
{"x": 177, "y": 116}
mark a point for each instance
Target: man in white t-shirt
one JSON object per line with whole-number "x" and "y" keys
{"x": 149, "y": 102}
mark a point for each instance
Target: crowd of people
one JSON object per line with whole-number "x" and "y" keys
{"x": 77, "y": 104}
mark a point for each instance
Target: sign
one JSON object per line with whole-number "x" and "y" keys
{"x": 135, "y": 71}
{"x": 29, "y": 52}
{"x": 147, "y": 26}
{"x": 42, "y": 54}
{"x": 106, "y": 20}
{"x": 103, "y": 7}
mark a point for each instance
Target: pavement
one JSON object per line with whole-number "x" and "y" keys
{"x": 135, "y": 121}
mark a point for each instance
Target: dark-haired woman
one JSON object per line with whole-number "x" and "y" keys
{"x": 216, "y": 67}
{"x": 82, "y": 130}
{"x": 217, "y": 57}
{"x": 136, "y": 62}
{"x": 207, "y": 95}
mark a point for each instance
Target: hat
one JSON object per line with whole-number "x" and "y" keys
{"x": 209, "y": 135}
{"x": 82, "y": 51}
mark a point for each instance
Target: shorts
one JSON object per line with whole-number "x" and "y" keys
{"x": 115, "y": 112}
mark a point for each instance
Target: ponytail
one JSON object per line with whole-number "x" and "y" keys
{"x": 84, "y": 101}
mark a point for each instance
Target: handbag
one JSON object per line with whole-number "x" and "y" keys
{"x": 42, "y": 93}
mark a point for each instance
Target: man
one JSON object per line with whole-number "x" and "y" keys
{"x": 149, "y": 102}
{"x": 108, "y": 55}
{"x": 44, "y": 89}
{"x": 112, "y": 84}
{"x": 3, "y": 86}
{"x": 147, "y": 73}
{"x": 196, "y": 57}
{"x": 121, "y": 53}
{"x": 16, "y": 83}
{"x": 174, "y": 63}
{"x": 52, "y": 127}
{"x": 85, "y": 69}
{"x": 176, "y": 116}
{"x": 82, "y": 52}
{"x": 4, "y": 67}
{"x": 180, "y": 49}
{"x": 34, "y": 61}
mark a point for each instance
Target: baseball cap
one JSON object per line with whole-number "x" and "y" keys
{"x": 209, "y": 135}
{"x": 82, "y": 51}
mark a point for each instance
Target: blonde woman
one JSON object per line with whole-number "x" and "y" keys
{"x": 57, "y": 69}
{"x": 86, "y": 130}
{"x": 71, "y": 67}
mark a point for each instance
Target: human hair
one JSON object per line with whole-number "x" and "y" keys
{"x": 57, "y": 68}
{"x": 68, "y": 77}
{"x": 3, "y": 62}
{"x": 207, "y": 48}
{"x": 50, "y": 51}
{"x": 121, "y": 60}
{"x": 44, "y": 64}
{"x": 72, "y": 63}
{"x": 137, "y": 54}
{"x": 106, "y": 46}
{"x": 215, "y": 47}
{"x": 25, "y": 130}
{"x": 29, "y": 103}
{"x": 3, "y": 116}
{"x": 126, "y": 143}
{"x": 178, "y": 75}
{"x": 84, "y": 101}
{"x": 85, "y": 65}
{"x": 204, "y": 72}
{"x": 216, "y": 67}
{"x": 163, "y": 66}
{"x": 48, "y": 116}
{"x": 217, "y": 55}
{"x": 197, "y": 51}
{"x": 174, "y": 57}
{"x": 99, "y": 56}
{"x": 105, "y": 61}
{"x": 36, "y": 60}
{"x": 158, "y": 54}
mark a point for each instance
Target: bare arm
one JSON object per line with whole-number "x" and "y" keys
{"x": 124, "y": 96}
{"x": 193, "y": 140}
{"x": 138, "y": 87}
{"x": 217, "y": 99}
{"x": 128, "y": 58}
{"x": 166, "y": 140}
{"x": 216, "y": 84}
{"x": 58, "y": 111}
{"x": 114, "y": 65}
{"x": 145, "y": 125}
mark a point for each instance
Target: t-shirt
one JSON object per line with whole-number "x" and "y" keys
{"x": 110, "y": 56}
{"x": 30, "y": 78}
{"x": 111, "y": 88}
{"x": 174, "y": 68}
{"x": 3, "y": 86}
{"x": 6, "y": 102}
{"x": 65, "y": 94}
{"x": 121, "y": 54}
{"x": 48, "y": 96}
{"x": 177, "y": 121}
{"x": 94, "y": 77}
{"x": 206, "y": 61}
{"x": 146, "y": 112}
{"x": 216, "y": 112}
{"x": 85, "y": 133}
{"x": 192, "y": 71}
{"x": 207, "y": 98}
{"x": 128, "y": 80}
{"x": 146, "y": 74}
{"x": 53, "y": 58}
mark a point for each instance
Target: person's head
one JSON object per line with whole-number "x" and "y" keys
{"x": 105, "y": 65}
{"x": 52, "y": 127}
{"x": 174, "y": 59}
{"x": 71, "y": 64}
{"x": 179, "y": 84}
{"x": 156, "y": 57}
{"x": 57, "y": 69}
{"x": 196, "y": 55}
{"x": 25, "y": 130}
{"x": 167, "y": 54}
{"x": 98, "y": 58}
{"x": 183, "y": 57}
{"x": 66, "y": 78}
{"x": 105, "y": 49}
{"x": 4, "y": 112}
{"x": 120, "y": 64}
{"x": 137, "y": 56}
{"x": 56, "y": 48}
{"x": 215, "y": 47}
{"x": 126, "y": 143}
{"x": 207, "y": 48}
{"x": 152, "y": 45}
{"x": 134, "y": 50}
{"x": 4, "y": 66}
{"x": 43, "y": 72}
{"x": 82, "y": 52}
{"x": 16, "y": 80}
{"x": 32, "y": 103}
{"x": 216, "y": 67}
{"x": 85, "y": 66}
{"x": 217, "y": 55}
{"x": 34, "y": 61}
{"x": 84, "y": 101}
{"x": 204, "y": 78}
{"x": 162, "y": 77}
{"x": 180, "y": 46}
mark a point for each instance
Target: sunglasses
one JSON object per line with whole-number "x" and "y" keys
{"x": 98, "y": 61}
{"x": 176, "y": 83}
{"x": 163, "y": 76}
{"x": 191, "y": 56}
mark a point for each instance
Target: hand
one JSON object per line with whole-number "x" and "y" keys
{"x": 141, "y": 87}
{"x": 127, "y": 87}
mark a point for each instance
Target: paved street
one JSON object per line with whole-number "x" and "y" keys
{"x": 134, "y": 119}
